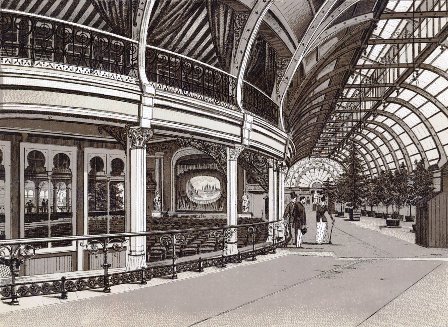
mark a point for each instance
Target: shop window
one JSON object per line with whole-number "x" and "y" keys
{"x": 105, "y": 191}
{"x": 47, "y": 192}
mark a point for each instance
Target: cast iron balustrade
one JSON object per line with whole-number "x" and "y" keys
{"x": 179, "y": 74}
{"x": 42, "y": 39}
{"x": 47, "y": 42}
{"x": 179, "y": 257}
{"x": 260, "y": 104}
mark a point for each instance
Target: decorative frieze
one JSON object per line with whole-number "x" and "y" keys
{"x": 214, "y": 150}
{"x": 23, "y": 62}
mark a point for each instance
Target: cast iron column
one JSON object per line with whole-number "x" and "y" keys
{"x": 137, "y": 138}
{"x": 231, "y": 246}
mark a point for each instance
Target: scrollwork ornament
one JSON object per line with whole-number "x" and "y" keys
{"x": 166, "y": 240}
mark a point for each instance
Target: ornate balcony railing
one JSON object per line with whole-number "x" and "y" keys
{"x": 260, "y": 104}
{"x": 46, "y": 40}
{"x": 179, "y": 74}
{"x": 33, "y": 40}
{"x": 176, "y": 244}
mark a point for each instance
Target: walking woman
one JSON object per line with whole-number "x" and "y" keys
{"x": 321, "y": 220}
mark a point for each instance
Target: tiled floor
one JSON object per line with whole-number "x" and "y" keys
{"x": 365, "y": 278}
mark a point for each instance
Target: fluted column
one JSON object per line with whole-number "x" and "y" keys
{"x": 137, "y": 138}
{"x": 232, "y": 198}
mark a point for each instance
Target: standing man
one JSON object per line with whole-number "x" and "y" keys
{"x": 295, "y": 217}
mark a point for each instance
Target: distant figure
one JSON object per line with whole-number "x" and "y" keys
{"x": 322, "y": 221}
{"x": 296, "y": 218}
{"x": 44, "y": 205}
{"x": 157, "y": 202}
{"x": 245, "y": 203}
{"x": 29, "y": 206}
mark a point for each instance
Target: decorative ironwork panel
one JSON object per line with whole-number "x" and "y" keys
{"x": 174, "y": 73}
{"x": 257, "y": 167}
{"x": 38, "y": 39}
{"x": 260, "y": 104}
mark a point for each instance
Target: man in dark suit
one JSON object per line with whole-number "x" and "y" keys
{"x": 295, "y": 217}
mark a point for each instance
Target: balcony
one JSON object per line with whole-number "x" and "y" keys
{"x": 30, "y": 40}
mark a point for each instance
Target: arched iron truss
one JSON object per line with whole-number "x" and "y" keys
{"x": 403, "y": 148}
{"x": 343, "y": 156}
{"x": 371, "y": 141}
{"x": 369, "y": 152}
{"x": 385, "y": 142}
{"x": 408, "y": 130}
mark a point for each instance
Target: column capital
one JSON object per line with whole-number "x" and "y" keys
{"x": 234, "y": 152}
{"x": 282, "y": 167}
{"x": 139, "y": 136}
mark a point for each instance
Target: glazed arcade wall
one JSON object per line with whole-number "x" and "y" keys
{"x": 65, "y": 260}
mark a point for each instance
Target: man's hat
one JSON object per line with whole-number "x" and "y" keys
{"x": 293, "y": 195}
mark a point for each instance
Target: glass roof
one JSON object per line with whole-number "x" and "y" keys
{"x": 399, "y": 88}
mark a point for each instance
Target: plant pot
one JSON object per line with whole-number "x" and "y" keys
{"x": 409, "y": 218}
{"x": 391, "y": 222}
{"x": 379, "y": 215}
{"x": 355, "y": 215}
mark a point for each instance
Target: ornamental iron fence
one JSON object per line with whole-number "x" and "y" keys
{"x": 46, "y": 42}
{"x": 260, "y": 104}
{"x": 43, "y": 39}
{"x": 179, "y": 74}
{"x": 180, "y": 254}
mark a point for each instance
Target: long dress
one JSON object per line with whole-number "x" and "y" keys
{"x": 321, "y": 222}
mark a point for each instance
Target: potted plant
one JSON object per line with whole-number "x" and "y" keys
{"x": 372, "y": 198}
{"x": 351, "y": 183}
{"x": 386, "y": 190}
{"x": 394, "y": 220}
{"x": 421, "y": 185}
{"x": 399, "y": 190}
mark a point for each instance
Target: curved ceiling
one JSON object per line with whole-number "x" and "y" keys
{"x": 370, "y": 71}
{"x": 399, "y": 85}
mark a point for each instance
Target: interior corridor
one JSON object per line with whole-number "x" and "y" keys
{"x": 364, "y": 279}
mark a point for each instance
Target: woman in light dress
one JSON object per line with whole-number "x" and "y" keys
{"x": 322, "y": 222}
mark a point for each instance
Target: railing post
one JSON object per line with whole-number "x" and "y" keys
{"x": 174, "y": 276}
{"x": 13, "y": 263}
{"x": 223, "y": 264}
{"x": 200, "y": 265}
{"x": 106, "y": 266}
{"x": 252, "y": 230}
{"x": 143, "y": 280}
{"x": 63, "y": 289}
